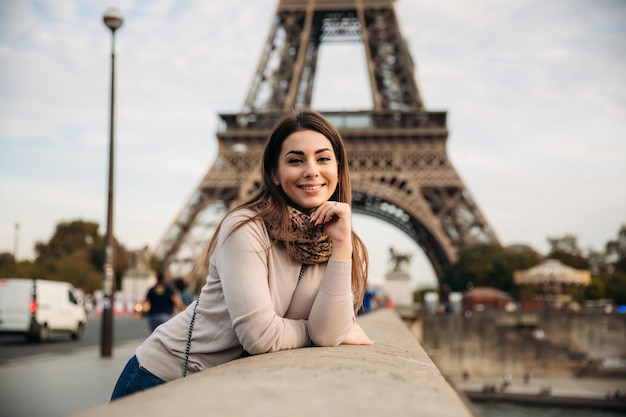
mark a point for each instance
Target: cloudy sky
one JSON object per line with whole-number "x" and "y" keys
{"x": 535, "y": 93}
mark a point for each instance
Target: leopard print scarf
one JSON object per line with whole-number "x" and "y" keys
{"x": 308, "y": 243}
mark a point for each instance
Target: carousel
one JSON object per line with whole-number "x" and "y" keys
{"x": 550, "y": 285}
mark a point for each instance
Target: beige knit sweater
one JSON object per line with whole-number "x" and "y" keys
{"x": 252, "y": 301}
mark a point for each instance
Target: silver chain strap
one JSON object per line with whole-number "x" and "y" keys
{"x": 188, "y": 347}
{"x": 301, "y": 272}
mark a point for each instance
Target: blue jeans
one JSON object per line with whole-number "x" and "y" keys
{"x": 134, "y": 378}
{"x": 155, "y": 320}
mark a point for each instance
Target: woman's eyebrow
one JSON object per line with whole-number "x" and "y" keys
{"x": 302, "y": 153}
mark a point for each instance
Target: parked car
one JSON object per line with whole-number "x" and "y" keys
{"x": 37, "y": 308}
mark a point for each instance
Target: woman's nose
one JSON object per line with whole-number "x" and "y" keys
{"x": 311, "y": 170}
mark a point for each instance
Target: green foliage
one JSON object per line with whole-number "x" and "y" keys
{"x": 616, "y": 287}
{"x": 566, "y": 250}
{"x": 615, "y": 267}
{"x": 8, "y": 267}
{"x": 522, "y": 257}
{"x": 608, "y": 267}
{"x": 493, "y": 266}
{"x": 596, "y": 290}
{"x": 488, "y": 265}
{"x": 75, "y": 254}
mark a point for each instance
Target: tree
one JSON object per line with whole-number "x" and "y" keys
{"x": 8, "y": 266}
{"x": 615, "y": 278}
{"x": 522, "y": 256}
{"x": 596, "y": 290}
{"x": 566, "y": 250}
{"x": 616, "y": 287}
{"x": 489, "y": 265}
{"x": 615, "y": 250}
{"x": 10, "y": 269}
{"x": 75, "y": 254}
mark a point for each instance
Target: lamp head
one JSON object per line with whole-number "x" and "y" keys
{"x": 113, "y": 19}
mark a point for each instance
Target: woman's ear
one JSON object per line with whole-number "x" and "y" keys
{"x": 275, "y": 180}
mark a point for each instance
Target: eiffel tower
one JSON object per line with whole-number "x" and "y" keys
{"x": 400, "y": 171}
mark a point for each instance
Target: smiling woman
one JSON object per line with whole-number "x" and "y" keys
{"x": 285, "y": 268}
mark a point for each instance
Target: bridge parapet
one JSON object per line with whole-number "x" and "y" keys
{"x": 393, "y": 377}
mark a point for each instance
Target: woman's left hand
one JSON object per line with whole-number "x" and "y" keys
{"x": 357, "y": 337}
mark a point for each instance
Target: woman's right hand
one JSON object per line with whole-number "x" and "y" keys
{"x": 357, "y": 337}
{"x": 337, "y": 220}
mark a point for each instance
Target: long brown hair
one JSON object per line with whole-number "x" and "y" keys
{"x": 271, "y": 198}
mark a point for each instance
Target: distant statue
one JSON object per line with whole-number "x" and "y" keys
{"x": 139, "y": 260}
{"x": 399, "y": 260}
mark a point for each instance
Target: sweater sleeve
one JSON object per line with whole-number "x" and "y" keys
{"x": 242, "y": 265}
{"x": 332, "y": 315}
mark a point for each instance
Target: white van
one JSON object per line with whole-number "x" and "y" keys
{"x": 37, "y": 307}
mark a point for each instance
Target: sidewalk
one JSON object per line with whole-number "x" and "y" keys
{"x": 59, "y": 385}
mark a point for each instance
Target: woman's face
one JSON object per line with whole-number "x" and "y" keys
{"x": 307, "y": 169}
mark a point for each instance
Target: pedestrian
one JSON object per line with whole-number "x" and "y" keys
{"x": 285, "y": 269}
{"x": 162, "y": 299}
{"x": 185, "y": 294}
{"x": 507, "y": 380}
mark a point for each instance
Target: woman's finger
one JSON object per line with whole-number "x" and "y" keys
{"x": 327, "y": 211}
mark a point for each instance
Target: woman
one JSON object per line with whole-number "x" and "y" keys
{"x": 285, "y": 268}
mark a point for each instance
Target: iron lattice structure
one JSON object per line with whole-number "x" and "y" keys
{"x": 398, "y": 162}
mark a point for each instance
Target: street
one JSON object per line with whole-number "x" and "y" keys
{"x": 125, "y": 328}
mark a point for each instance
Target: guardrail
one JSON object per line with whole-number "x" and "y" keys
{"x": 393, "y": 377}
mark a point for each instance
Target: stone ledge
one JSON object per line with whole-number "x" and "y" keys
{"x": 394, "y": 377}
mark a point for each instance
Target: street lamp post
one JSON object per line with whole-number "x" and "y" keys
{"x": 15, "y": 248}
{"x": 113, "y": 20}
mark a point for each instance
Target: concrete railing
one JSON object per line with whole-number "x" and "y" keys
{"x": 393, "y": 377}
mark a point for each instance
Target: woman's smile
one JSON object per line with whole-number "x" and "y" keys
{"x": 311, "y": 188}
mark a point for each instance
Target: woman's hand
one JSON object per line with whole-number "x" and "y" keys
{"x": 357, "y": 337}
{"x": 337, "y": 220}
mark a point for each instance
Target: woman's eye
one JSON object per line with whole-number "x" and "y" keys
{"x": 324, "y": 159}
{"x": 295, "y": 161}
